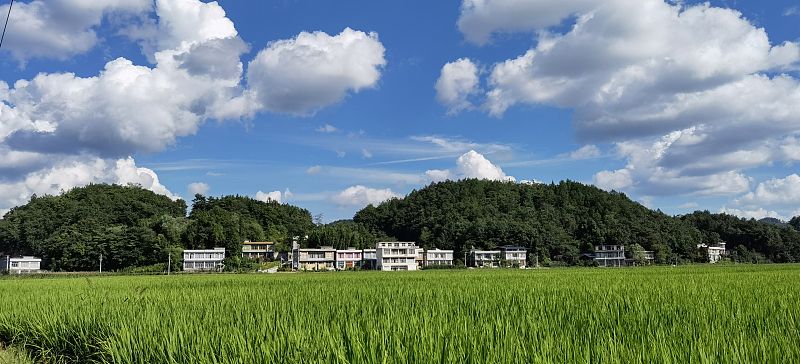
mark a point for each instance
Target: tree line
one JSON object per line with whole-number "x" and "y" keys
{"x": 559, "y": 223}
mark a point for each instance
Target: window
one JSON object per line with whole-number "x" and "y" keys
{"x": 14, "y": 264}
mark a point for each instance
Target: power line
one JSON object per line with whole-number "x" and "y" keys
{"x": 6, "y": 26}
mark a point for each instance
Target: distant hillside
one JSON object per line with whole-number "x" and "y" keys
{"x": 749, "y": 240}
{"x": 126, "y": 224}
{"x": 229, "y": 220}
{"x": 134, "y": 227}
{"x": 557, "y": 221}
{"x": 772, "y": 221}
{"x": 562, "y": 221}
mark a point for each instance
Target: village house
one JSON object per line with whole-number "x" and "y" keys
{"x": 484, "y": 258}
{"x": 438, "y": 257}
{"x": 322, "y": 258}
{"x": 396, "y": 255}
{"x": 203, "y": 259}
{"x": 25, "y": 264}
{"x": 348, "y": 258}
{"x": 258, "y": 250}
{"x": 513, "y": 256}
{"x": 609, "y": 255}
{"x": 715, "y": 252}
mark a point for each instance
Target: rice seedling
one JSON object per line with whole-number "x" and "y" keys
{"x": 657, "y": 314}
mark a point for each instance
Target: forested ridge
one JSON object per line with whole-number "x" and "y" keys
{"x": 134, "y": 227}
{"x": 564, "y": 221}
{"x": 559, "y": 223}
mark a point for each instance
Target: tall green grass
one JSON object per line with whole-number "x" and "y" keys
{"x": 659, "y": 314}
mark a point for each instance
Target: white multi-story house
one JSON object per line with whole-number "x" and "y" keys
{"x": 484, "y": 258}
{"x": 258, "y": 250}
{"x": 203, "y": 259}
{"x": 513, "y": 255}
{"x": 348, "y": 258}
{"x": 322, "y": 258}
{"x": 715, "y": 252}
{"x": 609, "y": 255}
{"x": 396, "y": 255}
{"x": 25, "y": 264}
{"x": 438, "y": 257}
{"x": 369, "y": 259}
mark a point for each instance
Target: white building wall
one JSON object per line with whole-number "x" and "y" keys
{"x": 203, "y": 259}
{"x": 396, "y": 255}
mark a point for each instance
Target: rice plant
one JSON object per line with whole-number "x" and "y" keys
{"x": 657, "y": 314}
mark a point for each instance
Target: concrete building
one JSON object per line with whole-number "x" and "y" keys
{"x": 348, "y": 258}
{"x": 25, "y": 264}
{"x": 714, "y": 252}
{"x": 203, "y": 259}
{"x": 514, "y": 256}
{"x": 396, "y": 255}
{"x": 258, "y": 250}
{"x": 484, "y": 258}
{"x": 369, "y": 259}
{"x": 323, "y": 258}
{"x": 438, "y": 257}
{"x": 420, "y": 258}
{"x": 609, "y": 255}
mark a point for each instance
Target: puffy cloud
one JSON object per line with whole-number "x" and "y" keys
{"x": 127, "y": 108}
{"x": 198, "y": 188}
{"x": 470, "y": 165}
{"x": 182, "y": 23}
{"x": 313, "y": 170}
{"x": 457, "y": 82}
{"x": 438, "y": 175}
{"x": 269, "y": 196}
{"x": 361, "y": 196}
{"x": 61, "y": 28}
{"x": 76, "y": 172}
{"x": 757, "y": 214}
{"x": 313, "y": 70}
{"x": 651, "y": 171}
{"x": 775, "y": 192}
{"x": 585, "y": 152}
{"x": 613, "y": 180}
{"x": 481, "y": 18}
{"x": 672, "y": 68}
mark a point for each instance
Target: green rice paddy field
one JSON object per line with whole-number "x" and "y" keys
{"x": 697, "y": 314}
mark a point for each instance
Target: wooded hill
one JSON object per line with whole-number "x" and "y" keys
{"x": 562, "y": 221}
{"x": 559, "y": 223}
{"x": 134, "y": 227}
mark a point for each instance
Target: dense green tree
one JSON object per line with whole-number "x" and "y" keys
{"x": 128, "y": 225}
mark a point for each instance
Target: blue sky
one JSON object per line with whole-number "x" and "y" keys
{"x": 683, "y": 107}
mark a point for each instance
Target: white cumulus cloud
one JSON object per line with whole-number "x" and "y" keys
{"x": 757, "y": 214}
{"x": 76, "y": 172}
{"x": 269, "y": 196}
{"x": 360, "y": 195}
{"x": 470, "y": 165}
{"x": 313, "y": 70}
{"x": 705, "y": 72}
{"x": 198, "y": 188}
{"x": 61, "y": 28}
{"x": 457, "y": 82}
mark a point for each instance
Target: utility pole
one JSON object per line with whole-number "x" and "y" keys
{"x": 169, "y": 262}
{"x": 101, "y": 262}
